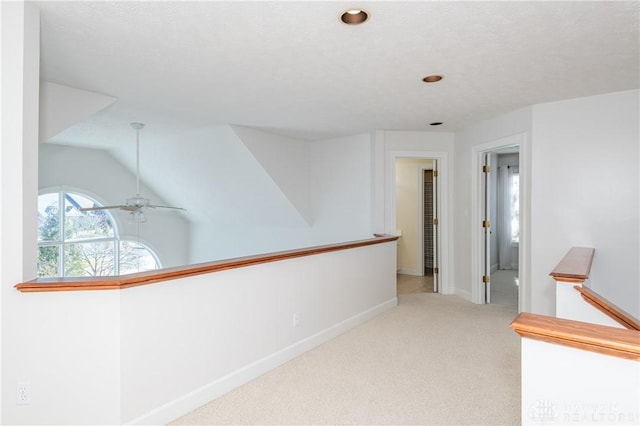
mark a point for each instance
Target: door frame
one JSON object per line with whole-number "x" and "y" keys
{"x": 477, "y": 241}
{"x": 444, "y": 263}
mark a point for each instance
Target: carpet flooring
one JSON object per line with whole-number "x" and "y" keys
{"x": 432, "y": 360}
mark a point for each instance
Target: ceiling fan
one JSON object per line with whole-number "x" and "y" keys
{"x": 135, "y": 204}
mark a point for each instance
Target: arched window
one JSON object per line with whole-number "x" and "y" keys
{"x": 72, "y": 243}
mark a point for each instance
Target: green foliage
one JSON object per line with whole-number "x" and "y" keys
{"x": 48, "y": 261}
{"x": 49, "y": 224}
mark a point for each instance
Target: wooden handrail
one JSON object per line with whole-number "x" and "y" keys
{"x": 149, "y": 277}
{"x": 614, "y": 312}
{"x": 602, "y": 339}
{"x": 575, "y": 266}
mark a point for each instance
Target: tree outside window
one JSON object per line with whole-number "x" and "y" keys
{"x": 72, "y": 243}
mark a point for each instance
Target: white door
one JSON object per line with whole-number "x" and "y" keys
{"x": 486, "y": 225}
{"x": 436, "y": 226}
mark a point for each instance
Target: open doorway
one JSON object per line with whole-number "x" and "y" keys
{"x": 505, "y": 226}
{"x": 498, "y": 223}
{"x": 416, "y": 213}
{"x": 391, "y": 189}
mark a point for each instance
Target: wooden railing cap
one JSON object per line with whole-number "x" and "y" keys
{"x": 602, "y": 339}
{"x": 575, "y": 266}
{"x": 143, "y": 278}
{"x": 609, "y": 308}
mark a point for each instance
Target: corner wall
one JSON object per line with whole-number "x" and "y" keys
{"x": 54, "y": 345}
{"x": 585, "y": 192}
{"x": 583, "y": 162}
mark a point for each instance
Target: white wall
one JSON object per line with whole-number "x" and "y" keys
{"x": 585, "y": 192}
{"x": 189, "y": 341}
{"x": 254, "y": 213}
{"x": 19, "y": 53}
{"x": 150, "y": 354}
{"x": 562, "y": 386}
{"x": 66, "y": 346}
{"x": 341, "y": 185}
{"x": 97, "y": 174}
{"x": 235, "y": 206}
{"x": 62, "y": 106}
{"x": 63, "y": 345}
{"x": 287, "y": 162}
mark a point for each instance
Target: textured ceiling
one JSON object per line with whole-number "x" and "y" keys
{"x": 294, "y": 69}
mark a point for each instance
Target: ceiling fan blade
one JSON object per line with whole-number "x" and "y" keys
{"x": 153, "y": 206}
{"x": 137, "y": 203}
{"x": 91, "y": 209}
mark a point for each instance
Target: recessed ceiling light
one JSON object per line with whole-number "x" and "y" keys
{"x": 354, "y": 16}
{"x": 432, "y": 78}
{"x": 435, "y": 123}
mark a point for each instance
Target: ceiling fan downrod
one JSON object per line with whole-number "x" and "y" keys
{"x": 137, "y": 127}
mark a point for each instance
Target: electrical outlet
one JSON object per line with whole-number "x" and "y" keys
{"x": 24, "y": 393}
{"x": 296, "y": 319}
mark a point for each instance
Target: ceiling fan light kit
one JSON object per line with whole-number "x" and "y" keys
{"x": 135, "y": 205}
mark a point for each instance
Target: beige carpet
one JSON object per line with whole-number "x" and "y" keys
{"x": 433, "y": 360}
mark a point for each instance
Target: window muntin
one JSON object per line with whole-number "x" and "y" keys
{"x": 76, "y": 243}
{"x": 79, "y": 226}
{"x": 135, "y": 257}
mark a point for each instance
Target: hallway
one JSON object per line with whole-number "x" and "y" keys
{"x": 427, "y": 361}
{"x": 504, "y": 287}
{"x": 408, "y": 284}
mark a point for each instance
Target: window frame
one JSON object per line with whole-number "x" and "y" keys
{"x": 62, "y": 242}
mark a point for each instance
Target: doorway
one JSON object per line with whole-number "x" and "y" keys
{"x": 498, "y": 222}
{"x": 391, "y": 188}
{"x": 504, "y": 178}
{"x": 416, "y": 209}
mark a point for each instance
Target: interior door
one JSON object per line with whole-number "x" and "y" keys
{"x": 436, "y": 242}
{"x": 486, "y": 225}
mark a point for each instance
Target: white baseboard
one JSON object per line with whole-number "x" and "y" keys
{"x": 201, "y": 396}
{"x": 493, "y": 268}
{"x": 406, "y": 271}
{"x": 464, "y": 294}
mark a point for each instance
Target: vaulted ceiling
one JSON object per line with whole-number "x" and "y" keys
{"x": 292, "y": 68}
